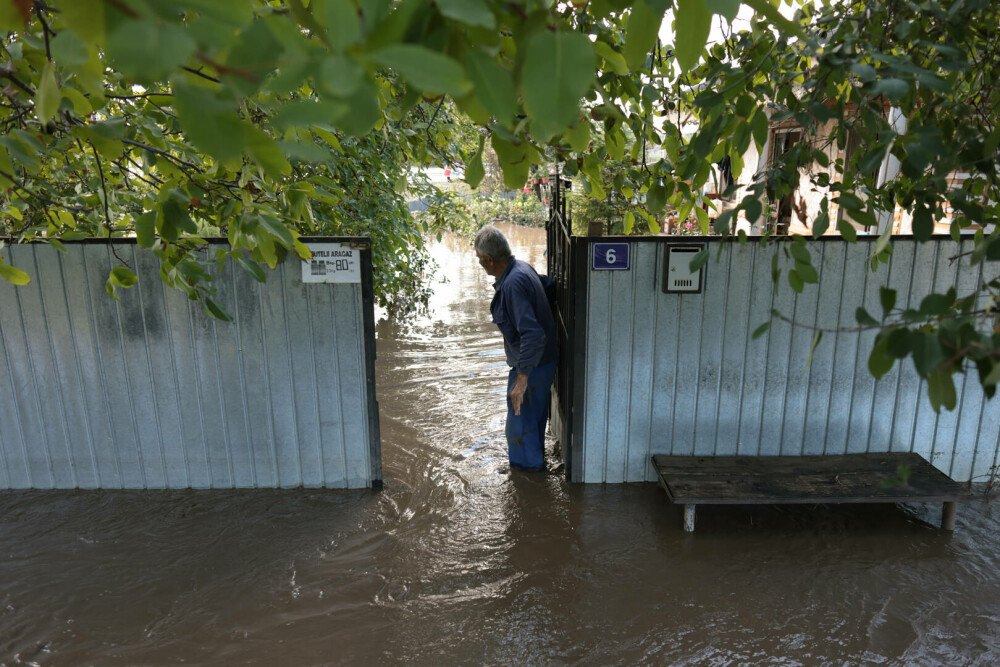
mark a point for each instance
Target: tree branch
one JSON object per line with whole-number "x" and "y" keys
{"x": 166, "y": 154}
{"x": 7, "y": 71}
{"x": 198, "y": 72}
{"x": 44, "y": 200}
{"x": 46, "y": 30}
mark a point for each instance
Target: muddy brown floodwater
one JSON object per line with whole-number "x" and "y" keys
{"x": 456, "y": 562}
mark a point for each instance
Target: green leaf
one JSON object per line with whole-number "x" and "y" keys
{"x": 752, "y": 208}
{"x": 343, "y": 26}
{"x": 149, "y": 50}
{"x": 615, "y": 61}
{"x": 7, "y": 167}
{"x": 641, "y": 30}
{"x": 721, "y": 223}
{"x": 47, "y": 96}
{"x": 578, "y": 136}
{"x": 492, "y": 86}
{"x": 941, "y": 390}
{"x": 14, "y": 275}
{"x": 12, "y": 18}
{"x": 629, "y": 222}
{"x": 80, "y": 103}
{"x": 699, "y": 260}
{"x": 614, "y": 142}
{"x": 847, "y": 230}
{"x": 470, "y": 12}
{"x": 879, "y": 363}
{"x": 923, "y": 223}
{"x": 253, "y": 57}
{"x": 558, "y": 70}
{"x": 513, "y": 161}
{"x": 933, "y": 305}
{"x": 69, "y": 50}
{"x": 365, "y": 110}
{"x": 807, "y": 272}
{"x": 123, "y": 277}
{"x": 771, "y": 13}
{"x": 760, "y": 331}
{"x": 993, "y": 378}
{"x": 728, "y": 9}
{"x": 210, "y": 123}
{"x": 864, "y": 319}
{"x": 86, "y": 18}
{"x": 340, "y": 76}
{"x": 109, "y": 287}
{"x": 927, "y": 352}
{"x": 894, "y": 89}
{"x": 821, "y": 224}
{"x": 703, "y": 220}
{"x": 303, "y": 113}
{"x": 871, "y": 161}
{"x": 691, "y": 27}
{"x": 865, "y": 73}
{"x": 277, "y": 230}
{"x": 145, "y": 229}
{"x": 849, "y": 202}
{"x": 474, "y": 170}
{"x": 899, "y": 342}
{"x": 800, "y": 252}
{"x": 251, "y": 267}
{"x": 212, "y": 309}
{"x": 428, "y": 71}
{"x": 795, "y": 280}
{"x": 654, "y": 226}
{"x": 266, "y": 153}
{"x": 888, "y": 298}
{"x": 759, "y": 127}
{"x": 812, "y": 349}
{"x": 883, "y": 240}
{"x": 656, "y": 198}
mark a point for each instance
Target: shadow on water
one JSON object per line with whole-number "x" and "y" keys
{"x": 460, "y": 562}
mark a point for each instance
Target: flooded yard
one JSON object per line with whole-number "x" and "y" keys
{"x": 458, "y": 561}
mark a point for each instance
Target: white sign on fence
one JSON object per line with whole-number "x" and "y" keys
{"x": 332, "y": 263}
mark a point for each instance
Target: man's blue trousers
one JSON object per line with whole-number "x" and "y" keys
{"x": 526, "y": 432}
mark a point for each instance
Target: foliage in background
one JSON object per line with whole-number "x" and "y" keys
{"x": 173, "y": 121}
{"x": 523, "y": 208}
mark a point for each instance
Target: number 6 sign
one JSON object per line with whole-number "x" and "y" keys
{"x": 610, "y": 257}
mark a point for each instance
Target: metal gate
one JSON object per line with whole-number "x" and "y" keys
{"x": 561, "y": 249}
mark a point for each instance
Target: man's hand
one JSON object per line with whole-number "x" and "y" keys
{"x": 517, "y": 393}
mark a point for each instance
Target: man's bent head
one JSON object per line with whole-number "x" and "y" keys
{"x": 492, "y": 250}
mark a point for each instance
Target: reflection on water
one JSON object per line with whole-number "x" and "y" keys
{"x": 457, "y": 562}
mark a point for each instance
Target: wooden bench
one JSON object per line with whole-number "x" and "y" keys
{"x": 771, "y": 480}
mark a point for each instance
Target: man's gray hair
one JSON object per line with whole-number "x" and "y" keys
{"x": 491, "y": 241}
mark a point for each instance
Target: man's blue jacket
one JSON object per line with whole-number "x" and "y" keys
{"x": 521, "y": 310}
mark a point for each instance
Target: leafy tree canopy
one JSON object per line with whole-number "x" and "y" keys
{"x": 263, "y": 120}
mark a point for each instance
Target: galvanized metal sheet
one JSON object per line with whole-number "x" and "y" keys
{"x": 681, "y": 374}
{"x": 148, "y": 392}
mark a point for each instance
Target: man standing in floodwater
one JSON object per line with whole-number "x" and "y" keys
{"x": 521, "y": 310}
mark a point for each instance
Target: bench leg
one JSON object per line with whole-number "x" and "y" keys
{"x": 689, "y": 518}
{"x": 948, "y": 515}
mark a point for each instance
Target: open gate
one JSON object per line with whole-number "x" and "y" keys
{"x": 561, "y": 251}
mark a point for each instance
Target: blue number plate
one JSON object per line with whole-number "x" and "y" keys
{"x": 611, "y": 257}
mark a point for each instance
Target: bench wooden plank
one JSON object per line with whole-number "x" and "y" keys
{"x": 852, "y": 478}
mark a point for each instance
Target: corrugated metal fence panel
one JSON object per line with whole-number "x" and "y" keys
{"x": 151, "y": 393}
{"x": 681, "y": 374}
